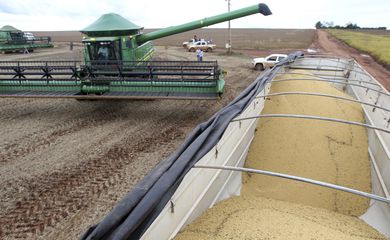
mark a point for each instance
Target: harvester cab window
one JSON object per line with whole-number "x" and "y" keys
{"x": 103, "y": 53}
{"x": 17, "y": 37}
{"x": 103, "y": 50}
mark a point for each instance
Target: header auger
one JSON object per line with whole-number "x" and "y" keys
{"x": 117, "y": 64}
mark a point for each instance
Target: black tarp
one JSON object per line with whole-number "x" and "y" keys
{"x": 131, "y": 217}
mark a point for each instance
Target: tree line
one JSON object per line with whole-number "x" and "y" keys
{"x": 325, "y": 25}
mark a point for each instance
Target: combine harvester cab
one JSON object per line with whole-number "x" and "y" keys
{"x": 207, "y": 168}
{"x": 117, "y": 65}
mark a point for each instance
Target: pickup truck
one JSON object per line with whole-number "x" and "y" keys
{"x": 191, "y": 41}
{"x": 28, "y": 36}
{"x": 267, "y": 62}
{"x": 206, "y": 46}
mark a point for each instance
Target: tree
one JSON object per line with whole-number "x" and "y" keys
{"x": 329, "y": 24}
{"x": 319, "y": 25}
{"x": 351, "y": 26}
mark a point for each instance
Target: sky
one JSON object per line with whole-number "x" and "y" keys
{"x": 61, "y": 15}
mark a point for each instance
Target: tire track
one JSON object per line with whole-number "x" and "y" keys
{"x": 16, "y": 149}
{"x": 56, "y": 196}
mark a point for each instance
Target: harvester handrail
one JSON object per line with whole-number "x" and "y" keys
{"x": 331, "y": 81}
{"x": 330, "y": 68}
{"x": 300, "y": 179}
{"x": 334, "y": 78}
{"x": 313, "y": 118}
{"x": 322, "y": 95}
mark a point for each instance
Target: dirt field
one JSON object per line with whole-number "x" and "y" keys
{"x": 64, "y": 164}
{"x": 258, "y": 39}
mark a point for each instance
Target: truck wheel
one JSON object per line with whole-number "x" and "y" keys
{"x": 259, "y": 67}
{"x": 192, "y": 50}
{"x": 209, "y": 50}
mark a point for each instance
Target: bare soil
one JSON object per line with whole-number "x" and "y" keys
{"x": 64, "y": 164}
{"x": 242, "y": 38}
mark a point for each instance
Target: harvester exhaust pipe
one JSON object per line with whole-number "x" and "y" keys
{"x": 258, "y": 8}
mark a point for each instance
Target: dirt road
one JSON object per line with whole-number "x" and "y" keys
{"x": 64, "y": 164}
{"x": 332, "y": 45}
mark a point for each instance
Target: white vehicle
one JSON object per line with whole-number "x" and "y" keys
{"x": 192, "y": 41}
{"x": 185, "y": 44}
{"x": 206, "y": 46}
{"x": 28, "y": 36}
{"x": 267, "y": 62}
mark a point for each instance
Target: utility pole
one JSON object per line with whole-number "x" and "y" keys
{"x": 229, "y": 44}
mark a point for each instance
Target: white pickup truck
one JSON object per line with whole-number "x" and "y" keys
{"x": 28, "y": 36}
{"x": 206, "y": 46}
{"x": 267, "y": 62}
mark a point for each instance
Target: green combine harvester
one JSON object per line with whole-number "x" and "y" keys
{"x": 14, "y": 40}
{"x": 117, "y": 65}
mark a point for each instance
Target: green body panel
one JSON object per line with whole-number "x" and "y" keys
{"x": 4, "y": 36}
{"x": 114, "y": 86}
{"x": 144, "y": 52}
{"x": 190, "y": 87}
{"x": 47, "y": 86}
{"x": 111, "y": 24}
{"x": 8, "y": 28}
{"x": 20, "y": 47}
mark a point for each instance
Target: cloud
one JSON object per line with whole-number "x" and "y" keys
{"x": 5, "y": 8}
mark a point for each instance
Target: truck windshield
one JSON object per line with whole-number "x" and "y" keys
{"x": 103, "y": 50}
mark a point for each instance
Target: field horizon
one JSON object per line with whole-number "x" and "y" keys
{"x": 242, "y": 38}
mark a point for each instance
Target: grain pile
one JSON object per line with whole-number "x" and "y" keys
{"x": 273, "y": 208}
